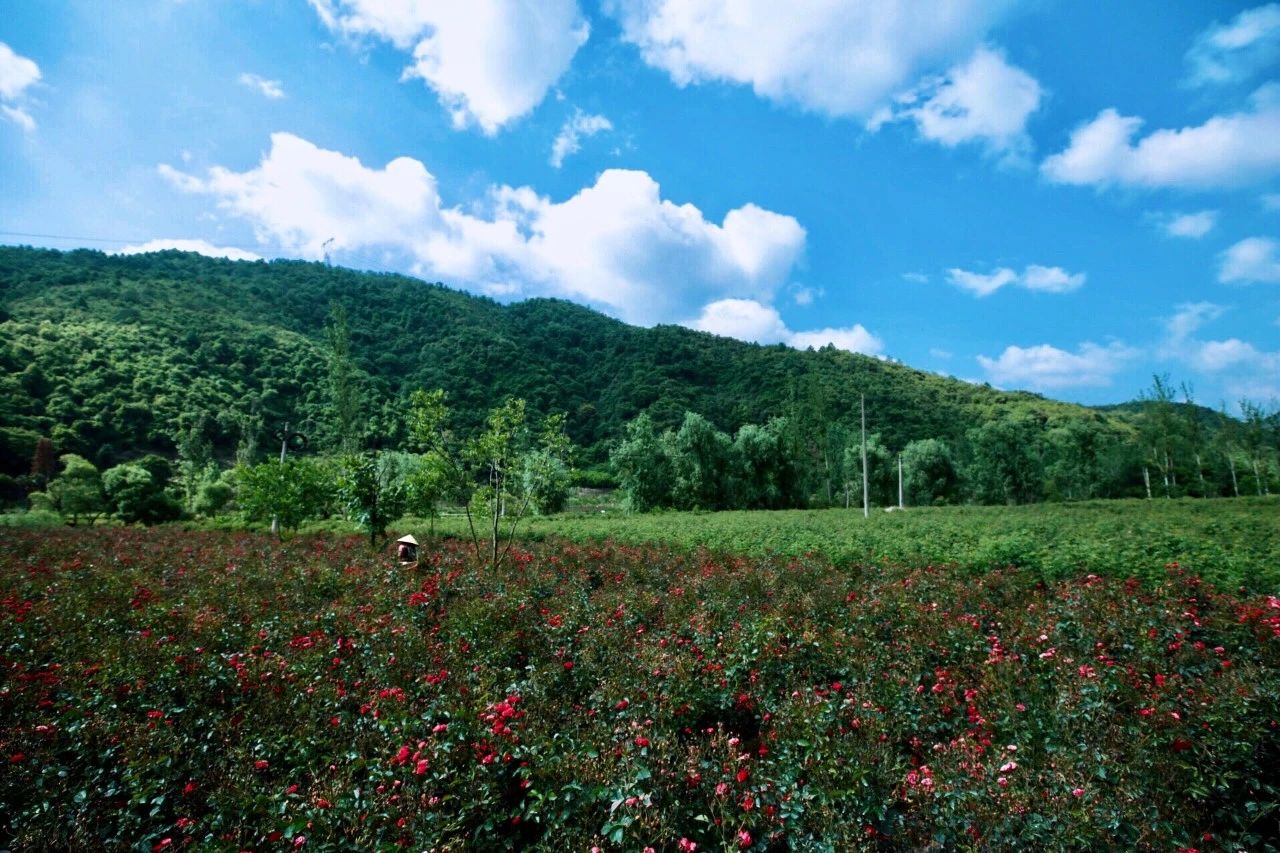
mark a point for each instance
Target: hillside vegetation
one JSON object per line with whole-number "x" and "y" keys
{"x": 107, "y": 360}
{"x": 109, "y": 355}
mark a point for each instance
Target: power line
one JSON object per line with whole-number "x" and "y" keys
{"x": 131, "y": 241}
{"x": 71, "y": 237}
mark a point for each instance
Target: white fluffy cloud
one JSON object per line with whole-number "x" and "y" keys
{"x": 202, "y": 247}
{"x": 835, "y": 57}
{"x": 1227, "y": 53}
{"x": 1247, "y": 368}
{"x": 17, "y": 75}
{"x": 984, "y": 100}
{"x": 1254, "y": 259}
{"x": 1191, "y": 226}
{"x": 1226, "y": 150}
{"x": 489, "y": 61}
{"x": 1188, "y": 320}
{"x": 1047, "y": 367}
{"x": 569, "y": 140}
{"x": 749, "y": 320}
{"x": 1033, "y": 277}
{"x": 616, "y": 244}
{"x": 272, "y": 89}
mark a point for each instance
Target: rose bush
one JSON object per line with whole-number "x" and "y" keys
{"x": 167, "y": 690}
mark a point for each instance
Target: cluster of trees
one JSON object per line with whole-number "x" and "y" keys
{"x": 1169, "y": 448}
{"x": 112, "y": 357}
{"x": 510, "y": 467}
{"x": 166, "y": 372}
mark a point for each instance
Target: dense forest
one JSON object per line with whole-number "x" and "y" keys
{"x": 111, "y": 358}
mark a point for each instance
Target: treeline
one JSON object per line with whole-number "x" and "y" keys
{"x": 113, "y": 357}
{"x": 1168, "y": 451}
{"x": 161, "y": 373}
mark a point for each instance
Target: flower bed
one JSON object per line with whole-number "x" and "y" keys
{"x": 165, "y": 689}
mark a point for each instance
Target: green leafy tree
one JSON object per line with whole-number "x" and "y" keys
{"x": 1005, "y": 463}
{"x": 763, "y": 474}
{"x": 195, "y": 461}
{"x": 77, "y": 493}
{"x": 700, "y": 457}
{"x": 292, "y": 491}
{"x": 497, "y": 453}
{"x": 499, "y": 473}
{"x": 1160, "y": 429}
{"x": 344, "y": 398}
{"x": 215, "y": 495}
{"x": 1255, "y": 444}
{"x": 547, "y": 471}
{"x": 136, "y": 491}
{"x": 928, "y": 473}
{"x": 882, "y": 471}
{"x": 643, "y": 466}
{"x": 371, "y": 487}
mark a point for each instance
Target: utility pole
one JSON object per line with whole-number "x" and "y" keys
{"x": 900, "y": 503}
{"x": 866, "y": 491}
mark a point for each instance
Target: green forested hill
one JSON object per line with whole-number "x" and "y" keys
{"x": 112, "y": 355}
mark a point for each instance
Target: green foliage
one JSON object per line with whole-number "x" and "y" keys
{"x": 371, "y": 485}
{"x": 1005, "y": 462}
{"x": 1233, "y": 543}
{"x": 42, "y": 461}
{"x": 173, "y": 689}
{"x": 78, "y": 493}
{"x": 929, "y": 473}
{"x": 643, "y": 466}
{"x": 291, "y": 492}
{"x": 260, "y": 344}
{"x": 215, "y": 495}
{"x": 344, "y": 405}
{"x": 700, "y": 461}
{"x": 761, "y": 469}
{"x": 136, "y": 491}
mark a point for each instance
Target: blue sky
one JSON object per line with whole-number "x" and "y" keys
{"x": 1046, "y": 195}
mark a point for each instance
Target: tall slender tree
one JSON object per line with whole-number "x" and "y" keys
{"x": 344, "y": 402}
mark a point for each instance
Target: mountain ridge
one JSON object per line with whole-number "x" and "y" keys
{"x": 111, "y": 355}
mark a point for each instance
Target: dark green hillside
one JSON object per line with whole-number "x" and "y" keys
{"x": 110, "y": 355}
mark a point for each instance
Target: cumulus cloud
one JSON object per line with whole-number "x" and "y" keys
{"x": 1190, "y": 226}
{"x": 985, "y": 100}
{"x": 1234, "y": 51}
{"x": 488, "y": 61}
{"x": 1033, "y": 277}
{"x": 1188, "y": 319}
{"x": 749, "y": 320}
{"x": 1246, "y": 367}
{"x": 834, "y": 57}
{"x": 272, "y": 89}
{"x": 852, "y": 338}
{"x": 1047, "y": 367}
{"x": 1254, "y": 259}
{"x": 202, "y": 247}
{"x": 17, "y": 75}
{"x": 1226, "y": 150}
{"x": 616, "y": 244}
{"x": 569, "y": 139}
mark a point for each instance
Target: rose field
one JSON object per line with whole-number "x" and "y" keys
{"x": 166, "y": 689}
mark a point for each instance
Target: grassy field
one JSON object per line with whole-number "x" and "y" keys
{"x": 1233, "y": 543}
